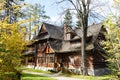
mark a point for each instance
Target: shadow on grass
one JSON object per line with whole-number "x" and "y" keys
{"x": 8, "y": 76}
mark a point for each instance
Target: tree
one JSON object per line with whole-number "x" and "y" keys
{"x": 68, "y": 18}
{"x": 38, "y": 10}
{"x": 78, "y": 24}
{"x": 112, "y": 44}
{"x": 12, "y": 43}
{"x": 34, "y": 11}
{"x": 11, "y": 9}
{"x": 82, "y": 9}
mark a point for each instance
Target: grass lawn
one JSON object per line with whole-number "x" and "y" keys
{"x": 26, "y": 76}
{"x": 106, "y": 77}
{"x": 36, "y": 70}
{"x": 93, "y": 77}
{"x": 8, "y": 76}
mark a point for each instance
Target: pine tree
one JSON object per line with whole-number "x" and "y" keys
{"x": 35, "y": 11}
{"x": 78, "y": 23}
{"x": 11, "y": 9}
{"x": 68, "y": 18}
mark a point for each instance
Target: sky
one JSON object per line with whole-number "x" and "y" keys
{"x": 55, "y": 11}
{"x": 52, "y": 9}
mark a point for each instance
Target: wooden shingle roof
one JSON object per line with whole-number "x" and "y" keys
{"x": 54, "y": 31}
{"x": 92, "y": 30}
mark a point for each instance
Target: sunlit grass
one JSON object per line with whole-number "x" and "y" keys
{"x": 27, "y": 76}
{"x": 36, "y": 70}
{"x": 105, "y": 77}
{"x": 92, "y": 77}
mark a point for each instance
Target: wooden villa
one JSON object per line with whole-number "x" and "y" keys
{"x": 56, "y": 47}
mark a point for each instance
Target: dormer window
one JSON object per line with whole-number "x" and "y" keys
{"x": 68, "y": 36}
{"x": 68, "y": 33}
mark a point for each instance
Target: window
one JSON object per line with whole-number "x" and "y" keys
{"x": 68, "y": 36}
{"x": 41, "y": 60}
{"x": 50, "y": 58}
{"x": 71, "y": 59}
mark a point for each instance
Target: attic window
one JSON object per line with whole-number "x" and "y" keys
{"x": 68, "y": 36}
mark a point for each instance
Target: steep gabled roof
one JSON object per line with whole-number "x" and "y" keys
{"x": 53, "y": 31}
{"x": 93, "y": 30}
{"x": 59, "y": 45}
{"x": 67, "y": 47}
{"x": 92, "y": 34}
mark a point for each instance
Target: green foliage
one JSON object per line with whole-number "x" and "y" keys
{"x": 68, "y": 18}
{"x": 78, "y": 23}
{"x": 112, "y": 44}
{"x": 34, "y": 11}
{"x": 13, "y": 36}
{"x": 12, "y": 42}
{"x": 8, "y": 76}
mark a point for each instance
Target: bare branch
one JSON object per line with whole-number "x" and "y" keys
{"x": 60, "y": 1}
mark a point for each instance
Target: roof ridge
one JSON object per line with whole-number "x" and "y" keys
{"x": 52, "y": 25}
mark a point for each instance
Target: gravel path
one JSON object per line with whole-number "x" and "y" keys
{"x": 56, "y": 76}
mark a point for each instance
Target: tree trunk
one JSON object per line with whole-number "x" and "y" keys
{"x": 82, "y": 8}
{"x": 83, "y": 53}
{"x": 84, "y": 35}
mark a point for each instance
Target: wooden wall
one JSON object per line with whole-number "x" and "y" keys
{"x": 73, "y": 60}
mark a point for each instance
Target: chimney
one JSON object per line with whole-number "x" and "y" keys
{"x": 65, "y": 32}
